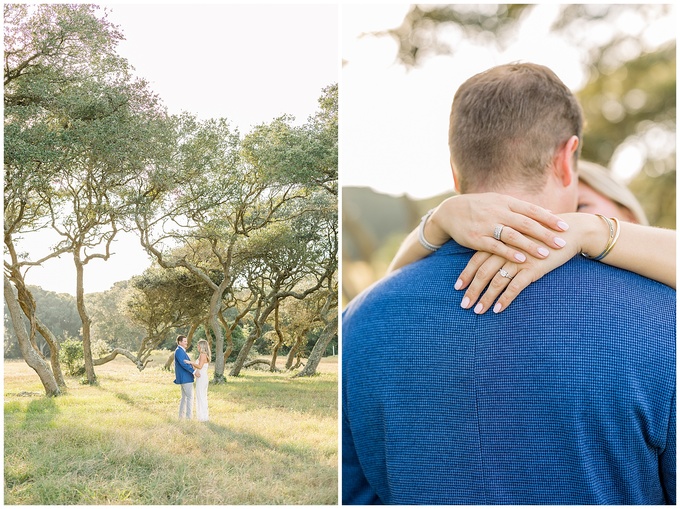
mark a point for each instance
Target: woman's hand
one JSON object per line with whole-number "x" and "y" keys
{"x": 470, "y": 219}
{"x": 507, "y": 279}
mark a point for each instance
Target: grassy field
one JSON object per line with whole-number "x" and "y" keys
{"x": 271, "y": 439}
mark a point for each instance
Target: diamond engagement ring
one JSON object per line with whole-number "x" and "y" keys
{"x": 505, "y": 273}
{"x": 497, "y": 231}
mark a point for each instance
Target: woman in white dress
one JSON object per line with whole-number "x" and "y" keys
{"x": 202, "y": 381}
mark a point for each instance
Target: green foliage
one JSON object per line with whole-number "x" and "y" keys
{"x": 111, "y": 325}
{"x": 57, "y": 311}
{"x": 71, "y": 357}
{"x": 634, "y": 106}
{"x": 90, "y": 151}
{"x": 417, "y": 37}
{"x": 238, "y": 338}
{"x": 306, "y": 155}
{"x": 162, "y": 300}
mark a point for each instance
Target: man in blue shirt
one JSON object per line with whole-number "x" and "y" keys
{"x": 566, "y": 397}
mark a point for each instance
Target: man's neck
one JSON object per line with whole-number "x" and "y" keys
{"x": 546, "y": 197}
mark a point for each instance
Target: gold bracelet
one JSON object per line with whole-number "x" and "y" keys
{"x": 611, "y": 245}
{"x": 613, "y": 237}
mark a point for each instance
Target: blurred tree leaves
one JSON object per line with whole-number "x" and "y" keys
{"x": 629, "y": 100}
{"x": 433, "y": 30}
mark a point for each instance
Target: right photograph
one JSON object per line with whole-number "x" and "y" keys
{"x": 508, "y": 332}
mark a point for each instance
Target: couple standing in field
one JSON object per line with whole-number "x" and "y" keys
{"x": 186, "y": 371}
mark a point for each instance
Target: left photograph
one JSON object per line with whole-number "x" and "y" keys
{"x": 171, "y": 254}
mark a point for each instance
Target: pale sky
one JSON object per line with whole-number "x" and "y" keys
{"x": 394, "y": 122}
{"x": 248, "y": 63}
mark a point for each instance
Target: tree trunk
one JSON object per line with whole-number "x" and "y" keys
{"x": 28, "y": 306}
{"x": 275, "y": 354}
{"x": 170, "y": 361}
{"x": 82, "y": 311}
{"x": 120, "y": 351}
{"x": 317, "y": 352}
{"x": 229, "y": 329}
{"x": 215, "y": 306}
{"x": 296, "y": 348}
{"x": 228, "y": 339}
{"x": 32, "y": 358}
{"x": 229, "y": 345}
{"x": 256, "y": 361}
{"x": 54, "y": 352}
{"x": 190, "y": 334}
{"x": 279, "y": 334}
{"x": 243, "y": 354}
{"x": 260, "y": 319}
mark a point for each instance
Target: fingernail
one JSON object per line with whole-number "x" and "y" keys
{"x": 563, "y": 225}
{"x": 520, "y": 257}
{"x": 465, "y": 303}
{"x": 543, "y": 251}
{"x": 497, "y": 307}
{"x": 560, "y": 242}
{"x": 459, "y": 284}
{"x": 478, "y": 308}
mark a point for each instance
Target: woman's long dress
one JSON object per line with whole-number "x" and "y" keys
{"x": 202, "y": 394}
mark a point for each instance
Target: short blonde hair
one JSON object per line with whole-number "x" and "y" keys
{"x": 602, "y": 181}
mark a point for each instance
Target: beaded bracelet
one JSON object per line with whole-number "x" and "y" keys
{"x": 421, "y": 233}
{"x": 613, "y": 237}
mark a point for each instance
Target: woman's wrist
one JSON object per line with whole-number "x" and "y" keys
{"x": 593, "y": 234}
{"x": 434, "y": 231}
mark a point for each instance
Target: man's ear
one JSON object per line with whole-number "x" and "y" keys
{"x": 456, "y": 182}
{"x": 565, "y": 169}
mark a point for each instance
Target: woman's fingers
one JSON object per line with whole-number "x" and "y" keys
{"x": 471, "y": 269}
{"x": 539, "y": 214}
{"x": 479, "y": 275}
{"x": 499, "y": 282}
{"x": 503, "y": 280}
{"x": 513, "y": 245}
{"x": 536, "y": 223}
{"x": 518, "y": 283}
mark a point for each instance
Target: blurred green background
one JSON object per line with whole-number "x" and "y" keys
{"x": 628, "y": 98}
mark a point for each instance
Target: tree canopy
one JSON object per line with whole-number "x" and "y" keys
{"x": 90, "y": 151}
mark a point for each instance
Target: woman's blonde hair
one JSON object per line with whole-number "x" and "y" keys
{"x": 602, "y": 181}
{"x": 204, "y": 347}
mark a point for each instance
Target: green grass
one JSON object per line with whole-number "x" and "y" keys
{"x": 271, "y": 440}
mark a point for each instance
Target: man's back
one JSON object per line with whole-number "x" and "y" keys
{"x": 566, "y": 397}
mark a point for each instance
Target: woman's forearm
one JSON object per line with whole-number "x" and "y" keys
{"x": 470, "y": 220}
{"x": 409, "y": 252}
{"x": 645, "y": 250}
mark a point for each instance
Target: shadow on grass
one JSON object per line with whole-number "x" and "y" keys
{"x": 272, "y": 395}
{"x": 127, "y": 399}
{"x": 126, "y": 446}
{"x": 40, "y": 413}
{"x": 313, "y": 397}
{"x": 87, "y": 465}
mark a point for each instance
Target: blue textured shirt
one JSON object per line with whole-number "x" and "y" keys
{"x": 566, "y": 397}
